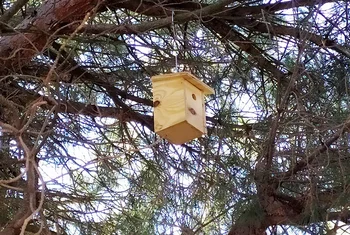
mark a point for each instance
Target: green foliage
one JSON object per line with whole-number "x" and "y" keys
{"x": 278, "y": 120}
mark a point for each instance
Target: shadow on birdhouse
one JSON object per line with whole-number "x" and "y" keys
{"x": 179, "y": 110}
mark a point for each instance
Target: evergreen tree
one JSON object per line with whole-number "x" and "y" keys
{"x": 78, "y": 150}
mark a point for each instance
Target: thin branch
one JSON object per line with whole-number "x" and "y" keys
{"x": 321, "y": 149}
{"x": 12, "y": 11}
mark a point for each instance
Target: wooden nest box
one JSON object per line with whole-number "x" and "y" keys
{"x": 179, "y": 110}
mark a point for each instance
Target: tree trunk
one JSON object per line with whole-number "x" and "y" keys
{"x": 53, "y": 15}
{"x": 248, "y": 229}
{"x": 19, "y": 49}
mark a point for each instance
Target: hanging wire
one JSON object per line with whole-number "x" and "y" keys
{"x": 175, "y": 40}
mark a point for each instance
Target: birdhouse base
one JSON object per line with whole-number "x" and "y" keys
{"x": 180, "y": 133}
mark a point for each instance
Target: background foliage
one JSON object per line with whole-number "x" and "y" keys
{"x": 78, "y": 151}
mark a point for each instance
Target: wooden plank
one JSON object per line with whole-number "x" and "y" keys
{"x": 207, "y": 90}
{"x": 170, "y": 102}
{"x": 180, "y": 133}
{"x": 195, "y": 112}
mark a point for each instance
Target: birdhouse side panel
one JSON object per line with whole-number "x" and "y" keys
{"x": 195, "y": 111}
{"x": 169, "y": 103}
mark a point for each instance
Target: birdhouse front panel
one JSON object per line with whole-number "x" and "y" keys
{"x": 169, "y": 103}
{"x": 178, "y": 100}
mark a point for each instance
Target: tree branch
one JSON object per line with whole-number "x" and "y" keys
{"x": 17, "y": 50}
{"x": 227, "y": 33}
{"x": 12, "y": 11}
{"x": 297, "y": 33}
{"x": 310, "y": 158}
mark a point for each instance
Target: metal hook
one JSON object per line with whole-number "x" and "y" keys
{"x": 175, "y": 39}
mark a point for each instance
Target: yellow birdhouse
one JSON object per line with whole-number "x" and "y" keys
{"x": 179, "y": 111}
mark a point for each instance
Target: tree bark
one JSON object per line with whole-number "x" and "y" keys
{"x": 247, "y": 230}
{"x": 19, "y": 49}
{"x": 53, "y": 15}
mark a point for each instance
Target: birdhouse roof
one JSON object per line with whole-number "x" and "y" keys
{"x": 188, "y": 77}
